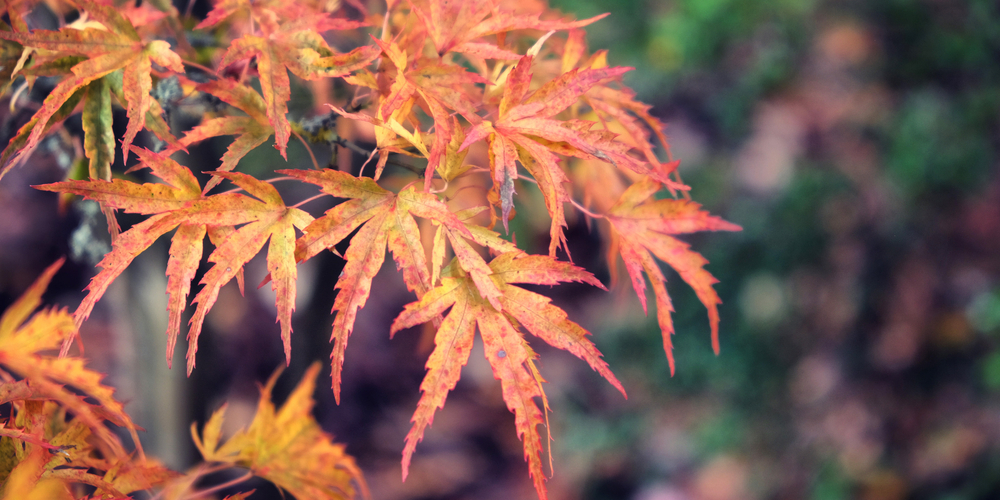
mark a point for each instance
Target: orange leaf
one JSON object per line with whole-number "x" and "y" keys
{"x": 519, "y": 126}
{"x": 388, "y": 222}
{"x": 453, "y": 26}
{"x": 301, "y": 51}
{"x": 441, "y": 87}
{"x": 643, "y": 227}
{"x": 267, "y": 219}
{"x": 508, "y": 353}
{"x": 158, "y": 199}
{"x": 181, "y": 204}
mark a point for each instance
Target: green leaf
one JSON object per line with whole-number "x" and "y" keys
{"x": 98, "y": 138}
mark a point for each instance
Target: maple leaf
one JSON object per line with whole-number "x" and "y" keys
{"x": 297, "y": 47}
{"x": 520, "y": 120}
{"x": 505, "y": 348}
{"x": 20, "y": 140}
{"x": 269, "y": 219}
{"x": 265, "y": 218}
{"x": 388, "y": 222}
{"x": 453, "y": 26}
{"x": 269, "y": 14}
{"x": 117, "y": 48}
{"x": 251, "y": 130}
{"x": 128, "y": 476}
{"x": 388, "y": 130}
{"x": 286, "y": 447}
{"x": 440, "y": 87}
{"x": 23, "y": 340}
{"x": 23, "y": 481}
{"x": 642, "y": 228}
{"x": 181, "y": 205}
{"x": 157, "y": 199}
{"x": 71, "y": 455}
{"x": 618, "y": 111}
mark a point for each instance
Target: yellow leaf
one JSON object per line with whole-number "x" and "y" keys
{"x": 24, "y": 478}
{"x": 287, "y": 446}
{"x": 22, "y": 343}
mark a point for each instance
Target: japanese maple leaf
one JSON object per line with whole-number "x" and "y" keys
{"x": 298, "y": 48}
{"x": 251, "y": 130}
{"x": 389, "y": 131}
{"x": 387, "y": 220}
{"x": 506, "y": 350}
{"x": 286, "y": 447}
{"x": 181, "y": 205}
{"x": 155, "y": 199}
{"x": 272, "y": 14}
{"x": 454, "y": 26}
{"x": 24, "y": 338}
{"x": 20, "y": 140}
{"x": 71, "y": 454}
{"x": 266, "y": 218}
{"x": 520, "y": 121}
{"x": 618, "y": 110}
{"x": 642, "y": 228}
{"x": 118, "y": 48}
{"x": 441, "y": 87}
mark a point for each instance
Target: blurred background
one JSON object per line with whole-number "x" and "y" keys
{"x": 856, "y": 142}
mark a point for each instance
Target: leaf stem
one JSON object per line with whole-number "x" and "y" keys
{"x": 307, "y": 200}
{"x": 195, "y": 65}
{"x": 578, "y": 206}
{"x": 308, "y": 149}
{"x": 237, "y": 189}
{"x": 282, "y": 178}
{"x": 189, "y": 8}
{"x": 219, "y": 487}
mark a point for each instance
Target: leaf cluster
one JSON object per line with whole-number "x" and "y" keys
{"x": 58, "y": 443}
{"x": 439, "y": 86}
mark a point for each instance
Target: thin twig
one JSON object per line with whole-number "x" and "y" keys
{"x": 340, "y": 141}
{"x": 198, "y": 471}
{"x": 443, "y": 188}
{"x": 17, "y": 95}
{"x": 468, "y": 186}
{"x": 584, "y": 210}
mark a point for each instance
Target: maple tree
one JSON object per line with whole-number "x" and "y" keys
{"x": 436, "y": 84}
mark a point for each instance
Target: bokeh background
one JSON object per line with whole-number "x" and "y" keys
{"x": 857, "y": 143}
